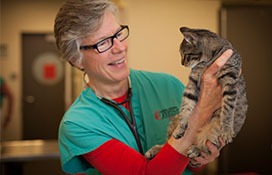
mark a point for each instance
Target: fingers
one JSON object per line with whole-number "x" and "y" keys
{"x": 203, "y": 159}
{"x": 214, "y": 153}
{"x": 199, "y": 160}
{"x": 213, "y": 149}
{"x": 219, "y": 63}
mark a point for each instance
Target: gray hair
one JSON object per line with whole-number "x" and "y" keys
{"x": 78, "y": 19}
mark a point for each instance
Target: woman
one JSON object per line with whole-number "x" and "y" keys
{"x": 123, "y": 112}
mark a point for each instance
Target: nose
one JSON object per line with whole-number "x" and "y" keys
{"x": 119, "y": 46}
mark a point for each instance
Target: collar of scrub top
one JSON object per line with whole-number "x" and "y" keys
{"x": 129, "y": 94}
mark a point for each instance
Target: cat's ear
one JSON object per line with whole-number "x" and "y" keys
{"x": 188, "y": 35}
{"x": 184, "y": 29}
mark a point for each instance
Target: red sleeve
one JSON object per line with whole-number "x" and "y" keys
{"x": 115, "y": 157}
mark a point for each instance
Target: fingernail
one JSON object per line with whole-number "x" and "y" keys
{"x": 227, "y": 54}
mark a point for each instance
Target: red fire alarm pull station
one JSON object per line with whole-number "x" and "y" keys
{"x": 49, "y": 71}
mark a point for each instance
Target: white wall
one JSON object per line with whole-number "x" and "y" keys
{"x": 154, "y": 38}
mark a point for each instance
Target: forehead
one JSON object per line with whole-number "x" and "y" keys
{"x": 108, "y": 27}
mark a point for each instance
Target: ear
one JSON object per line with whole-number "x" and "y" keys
{"x": 188, "y": 38}
{"x": 184, "y": 29}
{"x": 76, "y": 63}
{"x": 188, "y": 35}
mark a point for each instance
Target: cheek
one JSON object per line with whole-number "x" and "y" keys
{"x": 89, "y": 59}
{"x": 126, "y": 44}
{"x": 84, "y": 61}
{"x": 123, "y": 46}
{"x": 96, "y": 63}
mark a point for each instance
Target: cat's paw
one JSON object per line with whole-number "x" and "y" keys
{"x": 152, "y": 152}
{"x": 179, "y": 131}
{"x": 193, "y": 152}
{"x": 177, "y": 135}
{"x": 227, "y": 136}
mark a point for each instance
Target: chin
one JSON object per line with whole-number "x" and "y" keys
{"x": 121, "y": 75}
{"x": 126, "y": 73}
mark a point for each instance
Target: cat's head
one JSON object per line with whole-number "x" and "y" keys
{"x": 199, "y": 46}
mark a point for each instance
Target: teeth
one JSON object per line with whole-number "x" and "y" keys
{"x": 118, "y": 62}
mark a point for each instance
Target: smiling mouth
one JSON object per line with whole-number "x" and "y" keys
{"x": 118, "y": 62}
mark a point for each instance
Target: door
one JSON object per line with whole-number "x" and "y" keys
{"x": 43, "y": 87}
{"x": 249, "y": 30}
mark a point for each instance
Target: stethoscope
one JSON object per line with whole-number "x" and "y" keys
{"x": 132, "y": 124}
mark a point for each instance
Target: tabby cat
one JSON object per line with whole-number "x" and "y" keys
{"x": 199, "y": 49}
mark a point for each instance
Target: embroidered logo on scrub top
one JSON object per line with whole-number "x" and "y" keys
{"x": 166, "y": 113}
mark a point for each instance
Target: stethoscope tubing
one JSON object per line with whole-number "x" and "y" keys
{"x": 132, "y": 126}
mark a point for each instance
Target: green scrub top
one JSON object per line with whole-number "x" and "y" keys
{"x": 88, "y": 123}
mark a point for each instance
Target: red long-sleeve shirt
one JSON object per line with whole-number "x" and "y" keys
{"x": 115, "y": 157}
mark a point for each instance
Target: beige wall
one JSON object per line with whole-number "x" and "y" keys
{"x": 18, "y": 16}
{"x": 154, "y": 38}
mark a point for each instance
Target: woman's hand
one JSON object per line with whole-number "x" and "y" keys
{"x": 211, "y": 91}
{"x": 207, "y": 158}
{"x": 209, "y": 101}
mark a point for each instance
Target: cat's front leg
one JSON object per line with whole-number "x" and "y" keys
{"x": 190, "y": 98}
{"x": 152, "y": 152}
{"x": 183, "y": 120}
{"x": 173, "y": 125}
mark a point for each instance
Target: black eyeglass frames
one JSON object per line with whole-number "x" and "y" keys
{"x": 107, "y": 43}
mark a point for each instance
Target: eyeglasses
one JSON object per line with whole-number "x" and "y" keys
{"x": 107, "y": 43}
